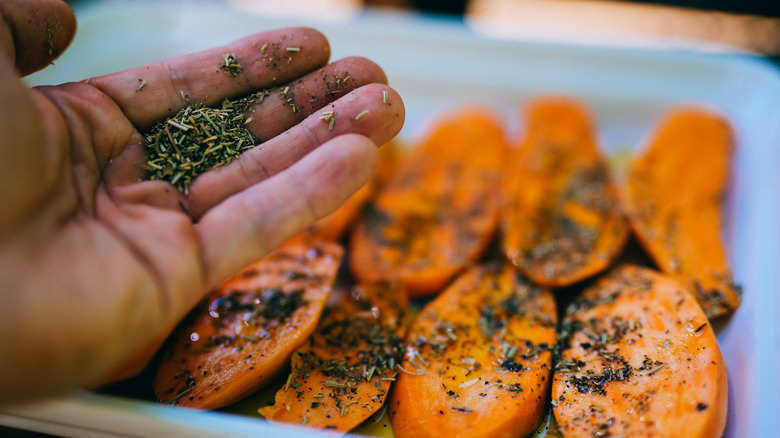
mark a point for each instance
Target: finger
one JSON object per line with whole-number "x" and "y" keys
{"x": 35, "y": 33}
{"x": 247, "y": 226}
{"x": 288, "y": 105}
{"x": 375, "y": 111}
{"x": 365, "y": 111}
{"x": 153, "y": 92}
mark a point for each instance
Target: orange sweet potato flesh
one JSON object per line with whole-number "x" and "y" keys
{"x": 478, "y": 359}
{"x": 440, "y": 209}
{"x": 342, "y": 374}
{"x": 243, "y": 334}
{"x": 562, "y": 222}
{"x": 674, "y": 195}
{"x": 336, "y": 224}
{"x": 390, "y": 155}
{"x": 638, "y": 358}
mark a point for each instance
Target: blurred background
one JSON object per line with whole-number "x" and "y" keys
{"x": 750, "y": 25}
{"x": 756, "y": 7}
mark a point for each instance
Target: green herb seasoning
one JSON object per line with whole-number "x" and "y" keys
{"x": 198, "y": 139}
{"x": 231, "y": 65}
{"x": 330, "y": 117}
{"x": 50, "y": 37}
{"x": 287, "y": 97}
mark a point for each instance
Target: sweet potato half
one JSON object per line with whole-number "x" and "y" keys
{"x": 674, "y": 194}
{"x": 342, "y": 374}
{"x": 638, "y": 358}
{"x": 439, "y": 211}
{"x": 478, "y": 359}
{"x": 561, "y": 223}
{"x": 335, "y": 225}
{"x": 243, "y": 334}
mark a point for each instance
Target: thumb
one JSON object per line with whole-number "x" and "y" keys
{"x": 33, "y": 33}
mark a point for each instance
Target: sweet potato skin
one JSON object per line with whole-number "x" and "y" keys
{"x": 243, "y": 334}
{"x": 638, "y": 358}
{"x": 439, "y": 211}
{"x": 483, "y": 350}
{"x": 562, "y": 222}
{"x": 673, "y": 195}
{"x": 342, "y": 374}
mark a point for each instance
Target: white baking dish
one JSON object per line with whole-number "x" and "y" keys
{"x": 438, "y": 65}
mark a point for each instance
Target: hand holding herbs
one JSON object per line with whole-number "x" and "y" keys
{"x": 115, "y": 221}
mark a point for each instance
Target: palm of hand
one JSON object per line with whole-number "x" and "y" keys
{"x": 130, "y": 257}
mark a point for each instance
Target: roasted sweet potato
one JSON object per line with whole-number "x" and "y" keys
{"x": 674, "y": 194}
{"x": 336, "y": 224}
{"x": 439, "y": 211}
{"x": 562, "y": 222}
{"x": 391, "y": 155}
{"x": 478, "y": 359}
{"x": 342, "y": 374}
{"x": 638, "y": 358}
{"x": 243, "y": 334}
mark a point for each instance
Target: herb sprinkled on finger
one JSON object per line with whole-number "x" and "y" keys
{"x": 330, "y": 117}
{"x": 231, "y": 65}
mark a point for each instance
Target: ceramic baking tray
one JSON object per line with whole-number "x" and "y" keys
{"x": 438, "y": 65}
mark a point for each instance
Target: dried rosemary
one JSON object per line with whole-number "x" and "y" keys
{"x": 198, "y": 139}
{"x": 231, "y": 65}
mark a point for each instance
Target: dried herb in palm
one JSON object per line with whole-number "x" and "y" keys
{"x": 197, "y": 139}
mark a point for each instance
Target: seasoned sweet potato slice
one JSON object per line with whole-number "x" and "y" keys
{"x": 674, "y": 194}
{"x": 243, "y": 334}
{"x": 478, "y": 359}
{"x": 562, "y": 222}
{"x": 439, "y": 211}
{"x": 342, "y": 374}
{"x": 336, "y": 224}
{"x": 638, "y": 358}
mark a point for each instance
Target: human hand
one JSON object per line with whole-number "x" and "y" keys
{"x": 98, "y": 265}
